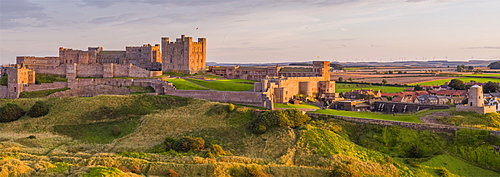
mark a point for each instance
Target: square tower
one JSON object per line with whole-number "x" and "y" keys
{"x": 183, "y": 55}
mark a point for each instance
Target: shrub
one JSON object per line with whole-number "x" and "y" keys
{"x": 104, "y": 171}
{"x": 282, "y": 118}
{"x": 231, "y": 107}
{"x": 172, "y": 173}
{"x": 10, "y": 112}
{"x": 38, "y": 109}
{"x": 116, "y": 131}
{"x": 216, "y": 150}
{"x": 443, "y": 172}
{"x": 188, "y": 143}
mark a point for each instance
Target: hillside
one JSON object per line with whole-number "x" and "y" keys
{"x": 124, "y": 136}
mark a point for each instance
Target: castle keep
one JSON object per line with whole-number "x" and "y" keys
{"x": 184, "y": 55}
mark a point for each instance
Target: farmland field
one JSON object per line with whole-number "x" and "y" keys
{"x": 340, "y": 87}
{"x": 464, "y": 79}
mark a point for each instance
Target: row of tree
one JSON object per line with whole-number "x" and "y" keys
{"x": 12, "y": 112}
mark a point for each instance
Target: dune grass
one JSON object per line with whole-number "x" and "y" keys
{"x": 464, "y": 79}
{"x": 225, "y": 84}
{"x": 182, "y": 84}
{"x": 302, "y": 105}
{"x": 40, "y": 93}
{"x": 341, "y": 87}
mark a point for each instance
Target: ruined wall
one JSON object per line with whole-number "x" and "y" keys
{"x": 249, "y": 98}
{"x": 45, "y": 86}
{"x": 399, "y": 107}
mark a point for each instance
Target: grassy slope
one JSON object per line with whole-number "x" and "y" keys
{"x": 464, "y": 79}
{"x": 280, "y": 151}
{"x": 340, "y": 87}
{"x": 455, "y": 166}
{"x": 182, "y": 84}
{"x": 226, "y": 84}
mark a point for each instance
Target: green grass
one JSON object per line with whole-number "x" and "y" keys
{"x": 371, "y": 115}
{"x": 464, "y": 79}
{"x": 485, "y": 75}
{"x": 40, "y": 93}
{"x": 226, "y": 84}
{"x": 455, "y": 166}
{"x": 139, "y": 89}
{"x": 49, "y": 78}
{"x": 302, "y": 105}
{"x": 348, "y": 87}
{"x": 490, "y": 121}
{"x": 3, "y": 80}
{"x": 182, "y": 84}
{"x": 351, "y": 69}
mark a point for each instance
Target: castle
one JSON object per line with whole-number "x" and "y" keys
{"x": 183, "y": 55}
{"x": 476, "y": 102}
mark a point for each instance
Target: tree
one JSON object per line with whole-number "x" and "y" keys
{"x": 390, "y": 72}
{"x": 336, "y": 66}
{"x": 457, "y": 84}
{"x": 418, "y": 88}
{"x": 494, "y": 65}
{"x": 38, "y": 109}
{"x": 11, "y": 112}
{"x": 461, "y": 68}
{"x": 491, "y": 87}
{"x": 341, "y": 79}
{"x": 384, "y": 81}
{"x": 350, "y": 79}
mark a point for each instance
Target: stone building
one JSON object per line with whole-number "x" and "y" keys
{"x": 280, "y": 89}
{"x": 476, "y": 102}
{"x": 184, "y": 55}
{"x": 18, "y": 77}
{"x": 319, "y": 68}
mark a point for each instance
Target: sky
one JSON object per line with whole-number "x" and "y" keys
{"x": 260, "y": 31}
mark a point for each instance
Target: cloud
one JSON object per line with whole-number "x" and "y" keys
{"x": 344, "y": 29}
{"x": 21, "y": 13}
{"x": 485, "y": 47}
{"x": 109, "y": 19}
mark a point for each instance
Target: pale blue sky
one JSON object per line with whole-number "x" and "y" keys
{"x": 260, "y": 31}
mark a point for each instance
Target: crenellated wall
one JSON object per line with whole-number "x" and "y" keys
{"x": 45, "y": 86}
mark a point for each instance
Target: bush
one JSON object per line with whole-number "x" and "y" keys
{"x": 11, "y": 112}
{"x": 116, "y": 131}
{"x": 281, "y": 118}
{"x": 38, "y": 109}
{"x": 216, "y": 150}
{"x": 172, "y": 173}
{"x": 231, "y": 107}
{"x": 184, "y": 144}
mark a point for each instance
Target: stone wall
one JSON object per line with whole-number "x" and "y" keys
{"x": 89, "y": 70}
{"x": 59, "y": 70}
{"x": 414, "y": 126}
{"x": 45, "y": 86}
{"x": 93, "y": 90}
{"x": 100, "y": 70}
{"x": 399, "y": 107}
{"x": 3, "y": 91}
{"x": 479, "y": 110}
{"x": 248, "y": 98}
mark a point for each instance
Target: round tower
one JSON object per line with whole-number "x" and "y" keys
{"x": 476, "y": 96}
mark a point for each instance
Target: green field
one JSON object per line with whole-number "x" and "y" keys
{"x": 485, "y": 75}
{"x": 302, "y": 105}
{"x": 182, "y": 84}
{"x": 225, "y": 84}
{"x": 340, "y": 87}
{"x": 372, "y": 115}
{"x": 464, "y": 79}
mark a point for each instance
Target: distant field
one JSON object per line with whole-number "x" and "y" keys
{"x": 485, "y": 75}
{"x": 465, "y": 79}
{"x": 303, "y": 105}
{"x": 348, "y": 87}
{"x": 182, "y": 84}
{"x": 402, "y": 80}
{"x": 226, "y": 84}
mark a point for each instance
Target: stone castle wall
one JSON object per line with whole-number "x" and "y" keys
{"x": 100, "y": 70}
{"x": 45, "y": 86}
{"x": 93, "y": 90}
{"x": 59, "y": 70}
{"x": 414, "y": 126}
{"x": 3, "y": 91}
{"x": 249, "y": 98}
{"x": 479, "y": 110}
{"x": 399, "y": 107}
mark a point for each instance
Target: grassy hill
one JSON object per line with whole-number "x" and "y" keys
{"x": 79, "y": 136}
